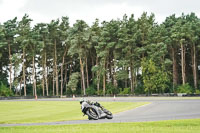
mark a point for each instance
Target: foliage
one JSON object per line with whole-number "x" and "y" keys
{"x": 186, "y": 88}
{"x": 139, "y": 89}
{"x": 122, "y": 75}
{"x": 197, "y": 91}
{"x": 111, "y": 89}
{"x": 125, "y": 91}
{"x": 5, "y": 91}
{"x": 109, "y": 55}
{"x": 156, "y": 79}
{"x": 69, "y": 92}
{"x": 91, "y": 90}
{"x": 73, "y": 82}
{"x": 100, "y": 92}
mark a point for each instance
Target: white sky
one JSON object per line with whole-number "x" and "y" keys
{"x": 88, "y": 10}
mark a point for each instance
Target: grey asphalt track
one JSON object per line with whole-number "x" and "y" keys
{"x": 161, "y": 108}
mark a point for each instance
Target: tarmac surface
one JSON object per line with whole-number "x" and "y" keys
{"x": 160, "y": 108}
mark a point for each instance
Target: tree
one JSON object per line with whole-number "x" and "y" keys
{"x": 105, "y": 51}
{"x": 79, "y": 39}
{"x": 64, "y": 29}
{"x": 72, "y": 84}
{"x": 127, "y": 50}
{"x": 35, "y": 45}
{"x": 4, "y": 91}
{"x": 23, "y": 30}
{"x": 192, "y": 35}
{"x": 178, "y": 35}
{"x": 95, "y": 31}
{"x": 10, "y": 32}
{"x": 53, "y": 28}
{"x": 156, "y": 79}
{"x": 4, "y": 59}
{"x": 171, "y": 41}
{"x": 146, "y": 24}
{"x": 108, "y": 56}
{"x": 43, "y": 40}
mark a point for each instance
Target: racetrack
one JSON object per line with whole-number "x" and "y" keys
{"x": 159, "y": 109}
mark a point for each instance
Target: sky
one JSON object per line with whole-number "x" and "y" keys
{"x": 89, "y": 10}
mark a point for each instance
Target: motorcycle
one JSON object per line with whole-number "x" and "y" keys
{"x": 95, "y": 111}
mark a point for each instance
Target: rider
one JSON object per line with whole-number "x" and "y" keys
{"x": 89, "y": 102}
{"x": 84, "y": 100}
{"x": 81, "y": 100}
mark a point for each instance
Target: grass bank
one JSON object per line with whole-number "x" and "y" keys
{"x": 51, "y": 111}
{"x": 172, "y": 126}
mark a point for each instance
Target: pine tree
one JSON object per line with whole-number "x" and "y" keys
{"x": 23, "y": 31}
{"x": 9, "y": 33}
{"x": 79, "y": 38}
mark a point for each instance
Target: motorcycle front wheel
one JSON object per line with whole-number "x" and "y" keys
{"x": 92, "y": 114}
{"x": 110, "y": 116}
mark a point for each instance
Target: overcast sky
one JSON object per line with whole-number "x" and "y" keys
{"x": 88, "y": 10}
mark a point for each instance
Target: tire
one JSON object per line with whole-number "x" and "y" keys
{"x": 92, "y": 114}
{"x": 109, "y": 114}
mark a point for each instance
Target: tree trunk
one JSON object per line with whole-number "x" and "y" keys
{"x": 114, "y": 75}
{"x": 135, "y": 78}
{"x": 14, "y": 71}
{"x": 24, "y": 74}
{"x": 132, "y": 78}
{"x": 63, "y": 63}
{"x": 43, "y": 75}
{"x": 43, "y": 81}
{"x": 35, "y": 84}
{"x": 183, "y": 63}
{"x": 194, "y": 65}
{"x": 86, "y": 69}
{"x": 20, "y": 92}
{"x": 61, "y": 84}
{"x": 10, "y": 59}
{"x": 81, "y": 81}
{"x": 33, "y": 74}
{"x": 110, "y": 74}
{"x": 98, "y": 76}
{"x": 104, "y": 80}
{"x": 82, "y": 75}
{"x": 70, "y": 73}
{"x": 92, "y": 71}
{"x": 45, "y": 70}
{"x": 104, "y": 84}
{"x": 175, "y": 71}
{"x": 53, "y": 81}
{"x": 56, "y": 69}
{"x": 65, "y": 79}
{"x": 126, "y": 83}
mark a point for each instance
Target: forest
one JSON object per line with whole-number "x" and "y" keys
{"x": 121, "y": 56}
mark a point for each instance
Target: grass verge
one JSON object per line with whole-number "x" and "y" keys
{"x": 51, "y": 111}
{"x": 171, "y": 126}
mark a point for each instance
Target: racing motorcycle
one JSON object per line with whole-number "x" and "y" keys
{"x": 94, "y": 111}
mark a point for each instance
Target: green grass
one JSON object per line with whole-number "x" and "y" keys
{"x": 51, "y": 111}
{"x": 172, "y": 126}
{"x": 166, "y": 98}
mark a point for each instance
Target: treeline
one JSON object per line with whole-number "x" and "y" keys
{"x": 126, "y": 56}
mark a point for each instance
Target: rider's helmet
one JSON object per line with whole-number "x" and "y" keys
{"x": 81, "y": 100}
